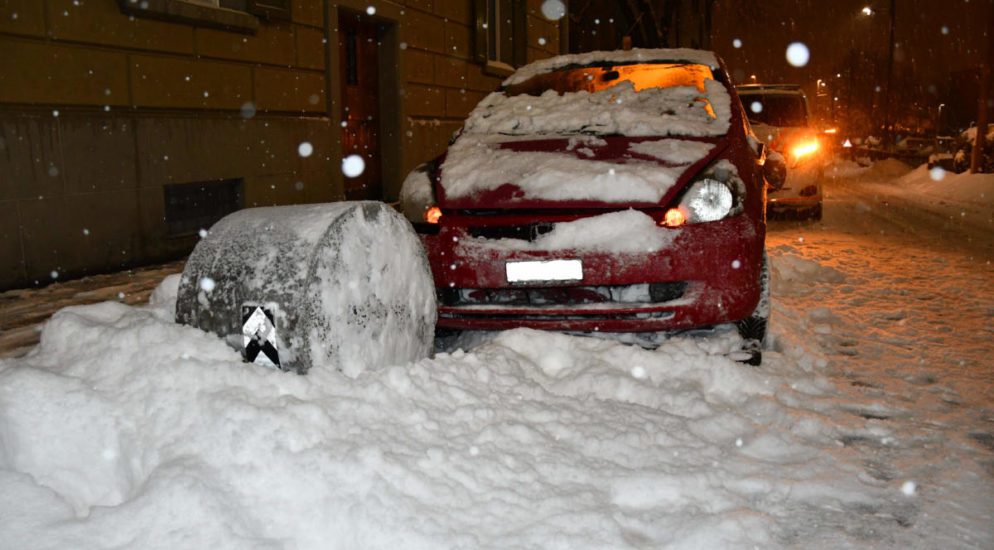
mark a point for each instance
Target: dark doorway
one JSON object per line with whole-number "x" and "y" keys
{"x": 359, "y": 41}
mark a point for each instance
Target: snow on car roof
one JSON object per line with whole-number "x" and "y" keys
{"x": 636, "y": 55}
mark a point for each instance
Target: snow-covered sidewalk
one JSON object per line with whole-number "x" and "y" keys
{"x": 869, "y": 424}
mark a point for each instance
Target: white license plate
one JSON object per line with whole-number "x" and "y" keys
{"x": 552, "y": 270}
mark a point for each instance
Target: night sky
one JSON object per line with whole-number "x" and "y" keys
{"x": 831, "y": 28}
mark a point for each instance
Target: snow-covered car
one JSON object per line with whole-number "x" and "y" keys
{"x": 779, "y": 117}
{"x": 608, "y": 191}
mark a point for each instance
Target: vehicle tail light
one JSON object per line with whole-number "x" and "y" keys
{"x": 433, "y": 214}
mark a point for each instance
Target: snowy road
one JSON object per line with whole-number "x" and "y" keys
{"x": 904, "y": 315}
{"x": 869, "y": 424}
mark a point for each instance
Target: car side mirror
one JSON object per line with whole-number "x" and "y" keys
{"x": 775, "y": 170}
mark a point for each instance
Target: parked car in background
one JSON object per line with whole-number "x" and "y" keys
{"x": 779, "y": 117}
{"x": 600, "y": 192}
{"x": 964, "y": 150}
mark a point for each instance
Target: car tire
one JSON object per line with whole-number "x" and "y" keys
{"x": 816, "y": 213}
{"x": 752, "y": 329}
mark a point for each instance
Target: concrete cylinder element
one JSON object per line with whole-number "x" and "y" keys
{"x": 340, "y": 286}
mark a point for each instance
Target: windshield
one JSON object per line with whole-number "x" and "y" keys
{"x": 775, "y": 110}
{"x": 595, "y": 79}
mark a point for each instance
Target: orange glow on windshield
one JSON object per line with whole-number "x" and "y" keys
{"x": 595, "y": 79}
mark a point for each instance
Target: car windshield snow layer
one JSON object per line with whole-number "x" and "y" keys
{"x": 642, "y": 99}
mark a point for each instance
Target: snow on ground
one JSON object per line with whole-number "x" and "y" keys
{"x": 962, "y": 199}
{"x": 869, "y": 424}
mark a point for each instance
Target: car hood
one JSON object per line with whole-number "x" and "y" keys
{"x": 486, "y": 172}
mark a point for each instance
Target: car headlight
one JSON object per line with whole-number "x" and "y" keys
{"x": 707, "y": 200}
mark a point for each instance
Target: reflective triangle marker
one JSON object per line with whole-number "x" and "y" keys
{"x": 259, "y": 336}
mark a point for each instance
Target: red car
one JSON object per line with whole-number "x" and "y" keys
{"x": 609, "y": 191}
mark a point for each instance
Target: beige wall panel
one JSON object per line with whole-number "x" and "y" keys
{"x": 458, "y": 103}
{"x": 94, "y": 232}
{"x": 418, "y": 67}
{"x": 424, "y": 101}
{"x": 481, "y": 82}
{"x": 310, "y": 48}
{"x": 101, "y": 22}
{"x": 426, "y": 140}
{"x": 30, "y": 158}
{"x": 25, "y": 17}
{"x": 451, "y": 72}
{"x": 540, "y": 28}
{"x": 310, "y": 12}
{"x": 457, "y": 41}
{"x": 34, "y": 72}
{"x": 284, "y": 90}
{"x": 423, "y": 31}
{"x": 11, "y": 260}
{"x": 456, "y": 10}
{"x": 179, "y": 150}
{"x": 423, "y": 5}
{"x": 274, "y": 44}
{"x": 191, "y": 84}
{"x": 98, "y": 153}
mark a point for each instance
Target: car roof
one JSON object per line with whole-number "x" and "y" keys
{"x": 771, "y": 89}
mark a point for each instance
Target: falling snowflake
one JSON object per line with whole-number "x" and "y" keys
{"x": 736, "y": 43}
{"x": 248, "y": 109}
{"x": 553, "y": 10}
{"x": 305, "y": 149}
{"x": 353, "y": 166}
{"x": 798, "y": 54}
{"x": 207, "y": 284}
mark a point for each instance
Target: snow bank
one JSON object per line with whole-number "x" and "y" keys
{"x": 965, "y": 198}
{"x": 124, "y": 429}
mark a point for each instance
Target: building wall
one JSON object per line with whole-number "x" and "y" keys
{"x": 99, "y": 111}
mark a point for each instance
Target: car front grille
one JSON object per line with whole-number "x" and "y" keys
{"x": 644, "y": 293}
{"x": 526, "y": 232}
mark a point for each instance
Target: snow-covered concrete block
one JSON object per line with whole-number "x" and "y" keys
{"x": 341, "y": 285}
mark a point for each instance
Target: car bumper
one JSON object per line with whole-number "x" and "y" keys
{"x": 716, "y": 264}
{"x": 803, "y": 189}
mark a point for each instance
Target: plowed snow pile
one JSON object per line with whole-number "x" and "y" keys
{"x": 126, "y": 430}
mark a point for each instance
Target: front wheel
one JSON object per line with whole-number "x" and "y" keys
{"x": 753, "y": 328}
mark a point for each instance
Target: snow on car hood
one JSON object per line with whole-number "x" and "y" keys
{"x": 490, "y": 171}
